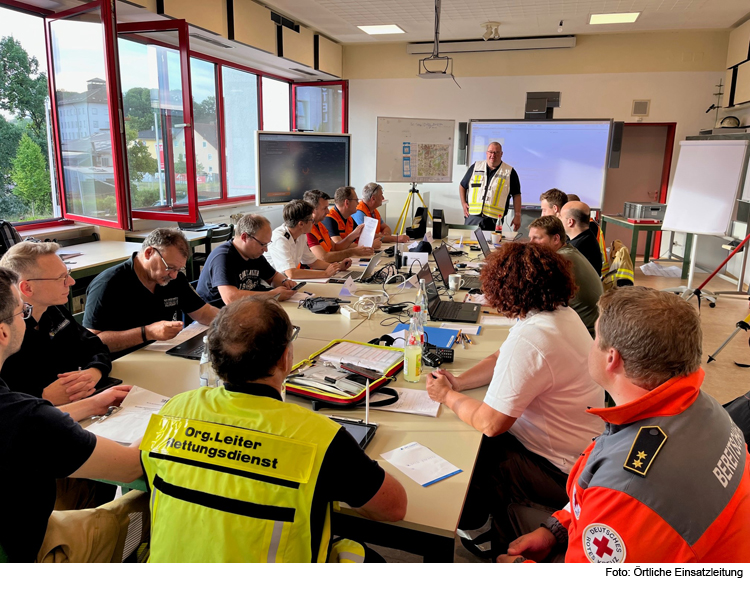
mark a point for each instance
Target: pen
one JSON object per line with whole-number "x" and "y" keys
{"x": 463, "y": 341}
{"x": 458, "y": 336}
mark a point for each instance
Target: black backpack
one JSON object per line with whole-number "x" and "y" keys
{"x": 8, "y": 236}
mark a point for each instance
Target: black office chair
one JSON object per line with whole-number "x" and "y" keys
{"x": 213, "y": 236}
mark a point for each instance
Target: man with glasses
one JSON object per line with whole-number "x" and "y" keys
{"x": 41, "y": 444}
{"x": 273, "y": 504}
{"x": 143, "y": 298}
{"x": 74, "y": 359}
{"x": 289, "y": 249}
{"x": 486, "y": 189}
{"x": 237, "y": 268}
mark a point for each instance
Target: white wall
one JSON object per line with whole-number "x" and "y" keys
{"x": 680, "y": 97}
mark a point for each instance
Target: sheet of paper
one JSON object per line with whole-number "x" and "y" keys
{"x": 413, "y": 402}
{"x": 349, "y": 289}
{"x": 465, "y": 328}
{"x": 368, "y": 234}
{"x": 476, "y": 298}
{"x": 474, "y": 265}
{"x": 186, "y": 333}
{"x": 129, "y": 423}
{"x": 411, "y": 282}
{"x": 495, "y": 320}
{"x": 320, "y": 280}
{"x": 657, "y": 270}
{"x": 420, "y": 464}
{"x": 410, "y": 257}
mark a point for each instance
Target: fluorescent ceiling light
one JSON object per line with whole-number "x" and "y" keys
{"x": 382, "y": 29}
{"x": 613, "y": 18}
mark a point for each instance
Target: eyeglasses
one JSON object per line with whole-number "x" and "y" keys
{"x": 263, "y": 244}
{"x": 62, "y": 278}
{"x": 169, "y": 268}
{"x": 295, "y": 332}
{"x": 492, "y": 152}
{"x": 26, "y": 313}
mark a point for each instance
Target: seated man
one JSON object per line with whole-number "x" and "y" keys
{"x": 668, "y": 479}
{"x": 274, "y": 505}
{"x": 548, "y": 231}
{"x": 372, "y": 198}
{"x": 598, "y": 234}
{"x": 237, "y": 268}
{"x": 552, "y": 202}
{"x": 338, "y": 221}
{"x": 74, "y": 359}
{"x": 40, "y": 444}
{"x": 289, "y": 249}
{"x": 143, "y": 298}
{"x": 533, "y": 416}
{"x": 320, "y": 241}
{"x": 575, "y": 219}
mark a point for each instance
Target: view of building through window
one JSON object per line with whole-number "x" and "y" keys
{"x": 25, "y": 182}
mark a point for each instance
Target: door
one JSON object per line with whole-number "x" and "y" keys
{"x": 154, "y": 65}
{"x": 81, "y": 55}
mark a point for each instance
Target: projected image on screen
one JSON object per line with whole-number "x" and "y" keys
{"x": 568, "y": 155}
{"x": 290, "y": 164}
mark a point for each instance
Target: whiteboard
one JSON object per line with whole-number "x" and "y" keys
{"x": 566, "y": 154}
{"x": 414, "y": 150}
{"x": 706, "y": 183}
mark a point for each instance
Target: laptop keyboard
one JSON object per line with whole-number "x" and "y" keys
{"x": 449, "y": 310}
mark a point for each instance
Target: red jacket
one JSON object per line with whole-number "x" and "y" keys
{"x": 685, "y": 494}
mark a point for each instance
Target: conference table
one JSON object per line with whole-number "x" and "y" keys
{"x": 433, "y": 512}
{"x": 91, "y": 258}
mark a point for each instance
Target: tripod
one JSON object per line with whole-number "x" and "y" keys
{"x": 401, "y": 223}
{"x": 741, "y": 325}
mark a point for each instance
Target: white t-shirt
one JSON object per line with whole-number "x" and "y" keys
{"x": 285, "y": 253}
{"x": 541, "y": 378}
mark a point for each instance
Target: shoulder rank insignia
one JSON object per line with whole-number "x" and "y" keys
{"x": 647, "y": 444}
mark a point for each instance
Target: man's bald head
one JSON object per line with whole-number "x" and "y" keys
{"x": 578, "y": 212}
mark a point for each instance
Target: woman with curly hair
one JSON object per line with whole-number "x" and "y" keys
{"x": 533, "y": 415}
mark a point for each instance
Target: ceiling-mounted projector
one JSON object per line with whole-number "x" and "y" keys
{"x": 436, "y": 66}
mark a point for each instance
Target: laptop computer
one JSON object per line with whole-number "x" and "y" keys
{"x": 446, "y": 311}
{"x": 197, "y": 225}
{"x": 359, "y": 276}
{"x": 479, "y": 234}
{"x": 190, "y": 349}
{"x": 446, "y": 268}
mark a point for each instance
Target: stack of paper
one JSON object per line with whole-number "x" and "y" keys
{"x": 185, "y": 334}
{"x": 128, "y": 424}
{"x": 420, "y": 464}
{"x": 369, "y": 357}
{"x": 413, "y": 402}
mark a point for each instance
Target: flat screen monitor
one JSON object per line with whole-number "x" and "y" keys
{"x": 288, "y": 164}
{"x": 570, "y": 155}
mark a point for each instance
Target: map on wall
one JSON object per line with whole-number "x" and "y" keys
{"x": 415, "y": 150}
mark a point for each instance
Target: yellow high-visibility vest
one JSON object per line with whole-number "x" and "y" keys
{"x": 489, "y": 199}
{"x": 232, "y": 478}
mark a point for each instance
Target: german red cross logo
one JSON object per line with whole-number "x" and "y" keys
{"x": 601, "y": 543}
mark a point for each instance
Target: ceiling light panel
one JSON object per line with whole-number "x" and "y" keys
{"x": 614, "y": 18}
{"x": 381, "y": 29}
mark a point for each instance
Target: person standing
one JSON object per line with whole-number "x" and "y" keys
{"x": 486, "y": 189}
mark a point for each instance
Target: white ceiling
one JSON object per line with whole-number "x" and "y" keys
{"x": 461, "y": 19}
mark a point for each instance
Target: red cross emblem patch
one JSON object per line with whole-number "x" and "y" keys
{"x": 601, "y": 543}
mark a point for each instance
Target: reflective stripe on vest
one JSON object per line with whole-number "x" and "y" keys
{"x": 323, "y": 237}
{"x": 362, "y": 206}
{"x": 345, "y": 227}
{"x": 232, "y": 478}
{"x": 489, "y": 200}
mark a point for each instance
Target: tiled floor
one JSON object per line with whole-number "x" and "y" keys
{"x": 724, "y": 380}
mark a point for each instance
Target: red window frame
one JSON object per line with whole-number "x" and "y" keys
{"x": 219, "y": 63}
{"x": 344, "y": 84}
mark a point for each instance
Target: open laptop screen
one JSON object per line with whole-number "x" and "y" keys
{"x": 433, "y": 299}
{"x": 444, "y": 263}
{"x": 482, "y": 242}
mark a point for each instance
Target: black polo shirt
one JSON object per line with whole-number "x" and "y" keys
{"x": 589, "y": 247}
{"x": 226, "y": 266}
{"x": 346, "y": 474}
{"x": 39, "y": 444}
{"x": 117, "y": 300}
{"x": 57, "y": 344}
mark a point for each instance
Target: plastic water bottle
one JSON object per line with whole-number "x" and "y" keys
{"x": 413, "y": 349}
{"x": 421, "y": 301}
{"x": 209, "y": 379}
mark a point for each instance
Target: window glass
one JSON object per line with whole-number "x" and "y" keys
{"x": 319, "y": 108}
{"x": 203, "y": 81}
{"x": 240, "y": 93}
{"x": 275, "y": 105}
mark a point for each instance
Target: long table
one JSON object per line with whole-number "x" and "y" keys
{"x": 433, "y": 512}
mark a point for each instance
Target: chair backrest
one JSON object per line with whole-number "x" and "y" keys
{"x": 217, "y": 235}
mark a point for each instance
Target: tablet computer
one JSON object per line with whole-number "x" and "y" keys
{"x": 361, "y": 431}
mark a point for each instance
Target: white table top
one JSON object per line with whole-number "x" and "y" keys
{"x": 94, "y": 254}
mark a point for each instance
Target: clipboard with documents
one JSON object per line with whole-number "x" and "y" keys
{"x": 337, "y": 375}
